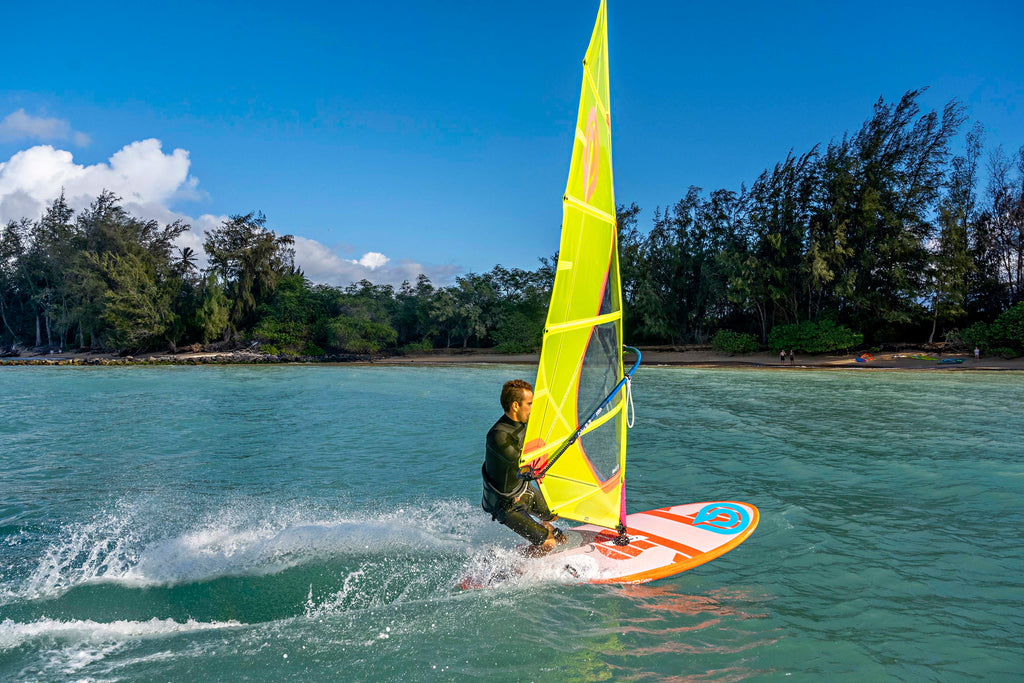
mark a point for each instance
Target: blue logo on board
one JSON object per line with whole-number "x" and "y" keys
{"x": 722, "y": 518}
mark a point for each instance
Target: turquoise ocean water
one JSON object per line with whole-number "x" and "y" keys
{"x": 310, "y": 523}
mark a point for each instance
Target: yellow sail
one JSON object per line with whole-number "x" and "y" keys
{"x": 581, "y": 358}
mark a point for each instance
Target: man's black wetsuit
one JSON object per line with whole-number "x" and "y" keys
{"x": 511, "y": 500}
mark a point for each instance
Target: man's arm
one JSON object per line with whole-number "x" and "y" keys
{"x": 506, "y": 447}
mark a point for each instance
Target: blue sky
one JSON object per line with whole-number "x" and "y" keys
{"x": 436, "y": 135}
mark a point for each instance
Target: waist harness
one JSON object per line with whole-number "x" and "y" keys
{"x": 495, "y": 500}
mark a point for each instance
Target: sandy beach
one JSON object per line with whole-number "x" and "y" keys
{"x": 705, "y": 357}
{"x": 910, "y": 359}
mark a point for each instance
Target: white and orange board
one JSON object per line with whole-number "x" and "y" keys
{"x": 662, "y": 542}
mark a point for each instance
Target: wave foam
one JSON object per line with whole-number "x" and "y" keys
{"x": 508, "y": 567}
{"x": 14, "y": 634}
{"x": 130, "y": 546}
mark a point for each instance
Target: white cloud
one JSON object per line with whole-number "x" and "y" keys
{"x": 373, "y": 260}
{"x": 148, "y": 181}
{"x": 143, "y": 176}
{"x": 21, "y": 126}
{"x": 324, "y": 265}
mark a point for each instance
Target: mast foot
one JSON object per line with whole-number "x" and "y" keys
{"x": 622, "y": 538}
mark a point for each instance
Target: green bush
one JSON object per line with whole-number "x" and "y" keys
{"x": 1004, "y": 335}
{"x": 809, "y": 337}
{"x": 727, "y": 341}
{"x": 517, "y": 334}
{"x": 357, "y": 335}
{"x": 313, "y": 350}
{"x": 1008, "y": 328}
{"x": 287, "y": 335}
{"x": 977, "y": 335}
{"x": 421, "y": 346}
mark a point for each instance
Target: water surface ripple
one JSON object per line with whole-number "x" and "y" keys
{"x": 310, "y": 523}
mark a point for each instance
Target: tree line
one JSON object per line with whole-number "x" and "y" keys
{"x": 882, "y": 235}
{"x": 885, "y": 231}
{"x": 106, "y": 280}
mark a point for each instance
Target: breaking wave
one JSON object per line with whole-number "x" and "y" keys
{"x": 130, "y": 545}
{"x": 14, "y": 634}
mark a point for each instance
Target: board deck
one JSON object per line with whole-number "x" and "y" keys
{"x": 663, "y": 542}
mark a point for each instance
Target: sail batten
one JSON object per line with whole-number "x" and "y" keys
{"x": 577, "y": 432}
{"x": 596, "y": 213}
{"x": 594, "y": 89}
{"x": 583, "y": 322}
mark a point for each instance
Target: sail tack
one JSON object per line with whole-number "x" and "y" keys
{"x": 581, "y": 358}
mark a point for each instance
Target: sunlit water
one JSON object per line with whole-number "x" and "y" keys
{"x": 310, "y": 523}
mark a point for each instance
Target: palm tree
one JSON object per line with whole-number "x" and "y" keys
{"x": 186, "y": 261}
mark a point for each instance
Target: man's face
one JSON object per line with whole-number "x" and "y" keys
{"x": 521, "y": 409}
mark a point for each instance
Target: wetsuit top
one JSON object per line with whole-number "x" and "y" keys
{"x": 501, "y": 462}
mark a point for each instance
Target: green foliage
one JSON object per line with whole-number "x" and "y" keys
{"x": 313, "y": 350}
{"x": 678, "y": 287}
{"x": 517, "y": 333}
{"x": 213, "y": 313}
{"x": 727, "y": 341}
{"x": 810, "y": 337}
{"x": 977, "y": 335}
{"x": 1008, "y": 328}
{"x": 249, "y": 260}
{"x": 416, "y": 347}
{"x": 353, "y": 335}
{"x": 136, "y": 312}
{"x": 286, "y": 335}
{"x": 953, "y": 267}
{"x": 882, "y": 231}
{"x": 1003, "y": 337}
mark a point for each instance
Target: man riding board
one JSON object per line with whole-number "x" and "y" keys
{"x": 515, "y": 502}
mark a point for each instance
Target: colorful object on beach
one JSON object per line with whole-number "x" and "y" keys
{"x": 662, "y": 542}
{"x": 951, "y": 361}
{"x": 575, "y": 443}
{"x": 921, "y": 356}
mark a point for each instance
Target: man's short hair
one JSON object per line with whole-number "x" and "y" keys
{"x": 512, "y": 392}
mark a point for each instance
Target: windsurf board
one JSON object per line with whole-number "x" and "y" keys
{"x": 662, "y": 542}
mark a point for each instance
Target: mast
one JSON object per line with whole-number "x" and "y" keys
{"x": 576, "y": 436}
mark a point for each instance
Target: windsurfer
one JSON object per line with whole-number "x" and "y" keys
{"x": 517, "y": 503}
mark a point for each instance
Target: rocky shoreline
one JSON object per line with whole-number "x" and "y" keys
{"x": 231, "y": 358}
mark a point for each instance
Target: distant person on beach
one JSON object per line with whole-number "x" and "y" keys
{"x": 791, "y": 355}
{"x": 977, "y": 353}
{"x": 782, "y": 356}
{"x": 516, "y": 503}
